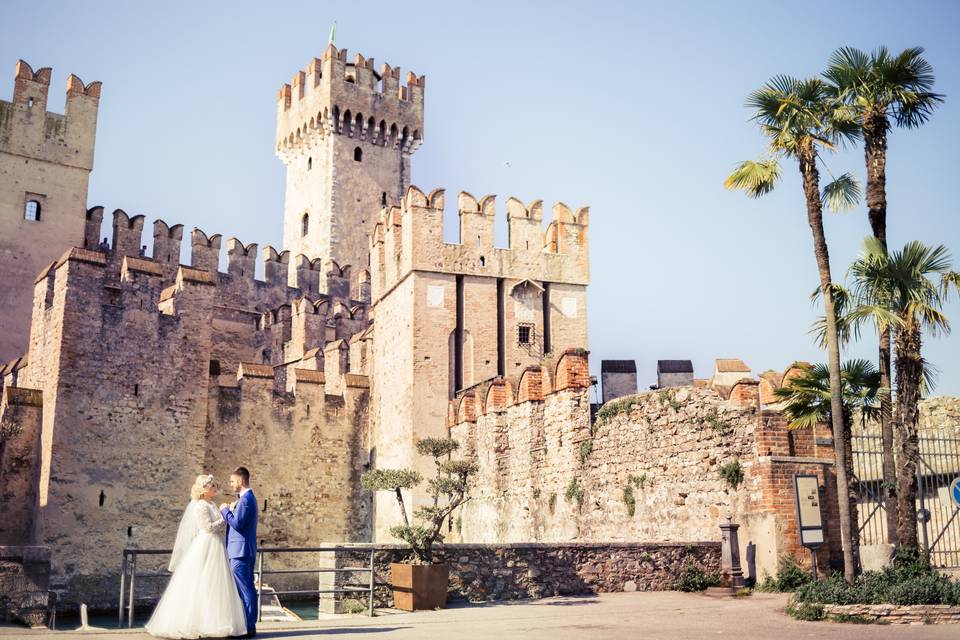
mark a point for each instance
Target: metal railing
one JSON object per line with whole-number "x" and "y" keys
{"x": 129, "y": 575}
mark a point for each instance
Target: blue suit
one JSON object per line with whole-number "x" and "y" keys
{"x": 242, "y": 551}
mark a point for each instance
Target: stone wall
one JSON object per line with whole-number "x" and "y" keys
{"x": 897, "y": 614}
{"x": 486, "y": 572}
{"x": 19, "y": 463}
{"x": 24, "y": 579}
{"x": 647, "y": 470}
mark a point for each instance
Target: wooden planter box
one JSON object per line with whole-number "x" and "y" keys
{"x": 419, "y": 586}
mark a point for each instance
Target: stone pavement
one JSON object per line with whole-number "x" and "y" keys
{"x": 662, "y": 615}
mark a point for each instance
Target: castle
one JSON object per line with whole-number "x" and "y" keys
{"x": 130, "y": 373}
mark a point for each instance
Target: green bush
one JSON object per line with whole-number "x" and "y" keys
{"x": 693, "y": 578}
{"x": 805, "y": 611}
{"x": 910, "y": 580}
{"x": 790, "y": 576}
{"x": 731, "y": 473}
{"x": 718, "y": 424}
{"x": 354, "y": 606}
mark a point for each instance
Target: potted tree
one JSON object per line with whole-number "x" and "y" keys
{"x": 422, "y": 584}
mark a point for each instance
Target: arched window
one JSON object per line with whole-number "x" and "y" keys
{"x": 305, "y": 224}
{"x": 309, "y": 164}
{"x": 358, "y": 154}
{"x": 32, "y": 211}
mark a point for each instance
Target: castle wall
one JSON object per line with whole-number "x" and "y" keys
{"x": 21, "y": 409}
{"x": 44, "y": 157}
{"x": 304, "y": 451}
{"x": 662, "y": 448}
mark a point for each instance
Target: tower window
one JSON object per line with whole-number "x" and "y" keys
{"x": 525, "y": 334}
{"x": 358, "y": 154}
{"x": 383, "y": 199}
{"x": 305, "y": 224}
{"x": 309, "y": 164}
{"x": 32, "y": 211}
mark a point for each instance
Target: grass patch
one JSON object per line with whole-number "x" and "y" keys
{"x": 552, "y": 503}
{"x": 718, "y": 424}
{"x": 790, "y": 577}
{"x": 669, "y": 397}
{"x": 805, "y": 611}
{"x": 617, "y": 407}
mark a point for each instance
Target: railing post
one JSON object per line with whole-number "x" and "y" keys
{"x": 133, "y": 579}
{"x": 370, "y": 611}
{"x": 123, "y": 576}
{"x": 260, "y": 555}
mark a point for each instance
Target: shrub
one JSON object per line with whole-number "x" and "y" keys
{"x": 553, "y": 502}
{"x": 790, "y": 576}
{"x": 9, "y": 429}
{"x": 910, "y": 580}
{"x": 586, "y": 448}
{"x": 805, "y": 611}
{"x": 693, "y": 578}
{"x": 629, "y": 500}
{"x": 637, "y": 481}
{"x": 574, "y": 493}
{"x": 732, "y": 473}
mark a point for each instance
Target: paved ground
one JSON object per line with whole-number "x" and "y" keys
{"x": 661, "y": 615}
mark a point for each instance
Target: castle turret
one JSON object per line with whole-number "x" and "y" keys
{"x": 45, "y": 163}
{"x": 346, "y": 134}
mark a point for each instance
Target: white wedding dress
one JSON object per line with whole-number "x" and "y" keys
{"x": 201, "y": 600}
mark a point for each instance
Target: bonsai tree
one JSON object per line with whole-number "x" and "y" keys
{"x": 447, "y": 490}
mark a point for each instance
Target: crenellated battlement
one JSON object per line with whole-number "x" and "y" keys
{"x": 409, "y": 237}
{"x": 335, "y": 97}
{"x": 28, "y": 129}
{"x": 284, "y": 277}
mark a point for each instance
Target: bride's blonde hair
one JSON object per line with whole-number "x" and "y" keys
{"x": 200, "y": 486}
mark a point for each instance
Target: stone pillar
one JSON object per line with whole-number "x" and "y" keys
{"x": 730, "y": 572}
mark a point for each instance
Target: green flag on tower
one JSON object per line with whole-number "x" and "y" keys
{"x": 333, "y": 34}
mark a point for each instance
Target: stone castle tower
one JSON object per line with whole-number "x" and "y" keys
{"x": 45, "y": 163}
{"x": 345, "y": 134}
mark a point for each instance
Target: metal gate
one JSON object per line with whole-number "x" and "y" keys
{"x": 938, "y": 517}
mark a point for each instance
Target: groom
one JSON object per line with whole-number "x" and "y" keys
{"x": 241, "y": 519}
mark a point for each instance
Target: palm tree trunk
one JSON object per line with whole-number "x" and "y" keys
{"x": 853, "y": 495}
{"x": 811, "y": 190}
{"x": 875, "y": 126}
{"x": 909, "y": 376}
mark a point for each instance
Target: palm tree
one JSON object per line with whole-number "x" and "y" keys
{"x": 883, "y": 88}
{"x": 799, "y": 117}
{"x": 807, "y": 403}
{"x": 904, "y": 292}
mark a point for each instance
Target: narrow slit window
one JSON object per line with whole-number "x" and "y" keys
{"x": 358, "y": 154}
{"x": 305, "y": 224}
{"x": 309, "y": 164}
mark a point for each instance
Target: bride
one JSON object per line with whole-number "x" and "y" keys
{"x": 201, "y": 600}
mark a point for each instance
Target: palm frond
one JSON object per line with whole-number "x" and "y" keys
{"x": 842, "y": 194}
{"x": 755, "y": 178}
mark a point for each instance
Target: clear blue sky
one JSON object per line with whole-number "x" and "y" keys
{"x": 635, "y": 109}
